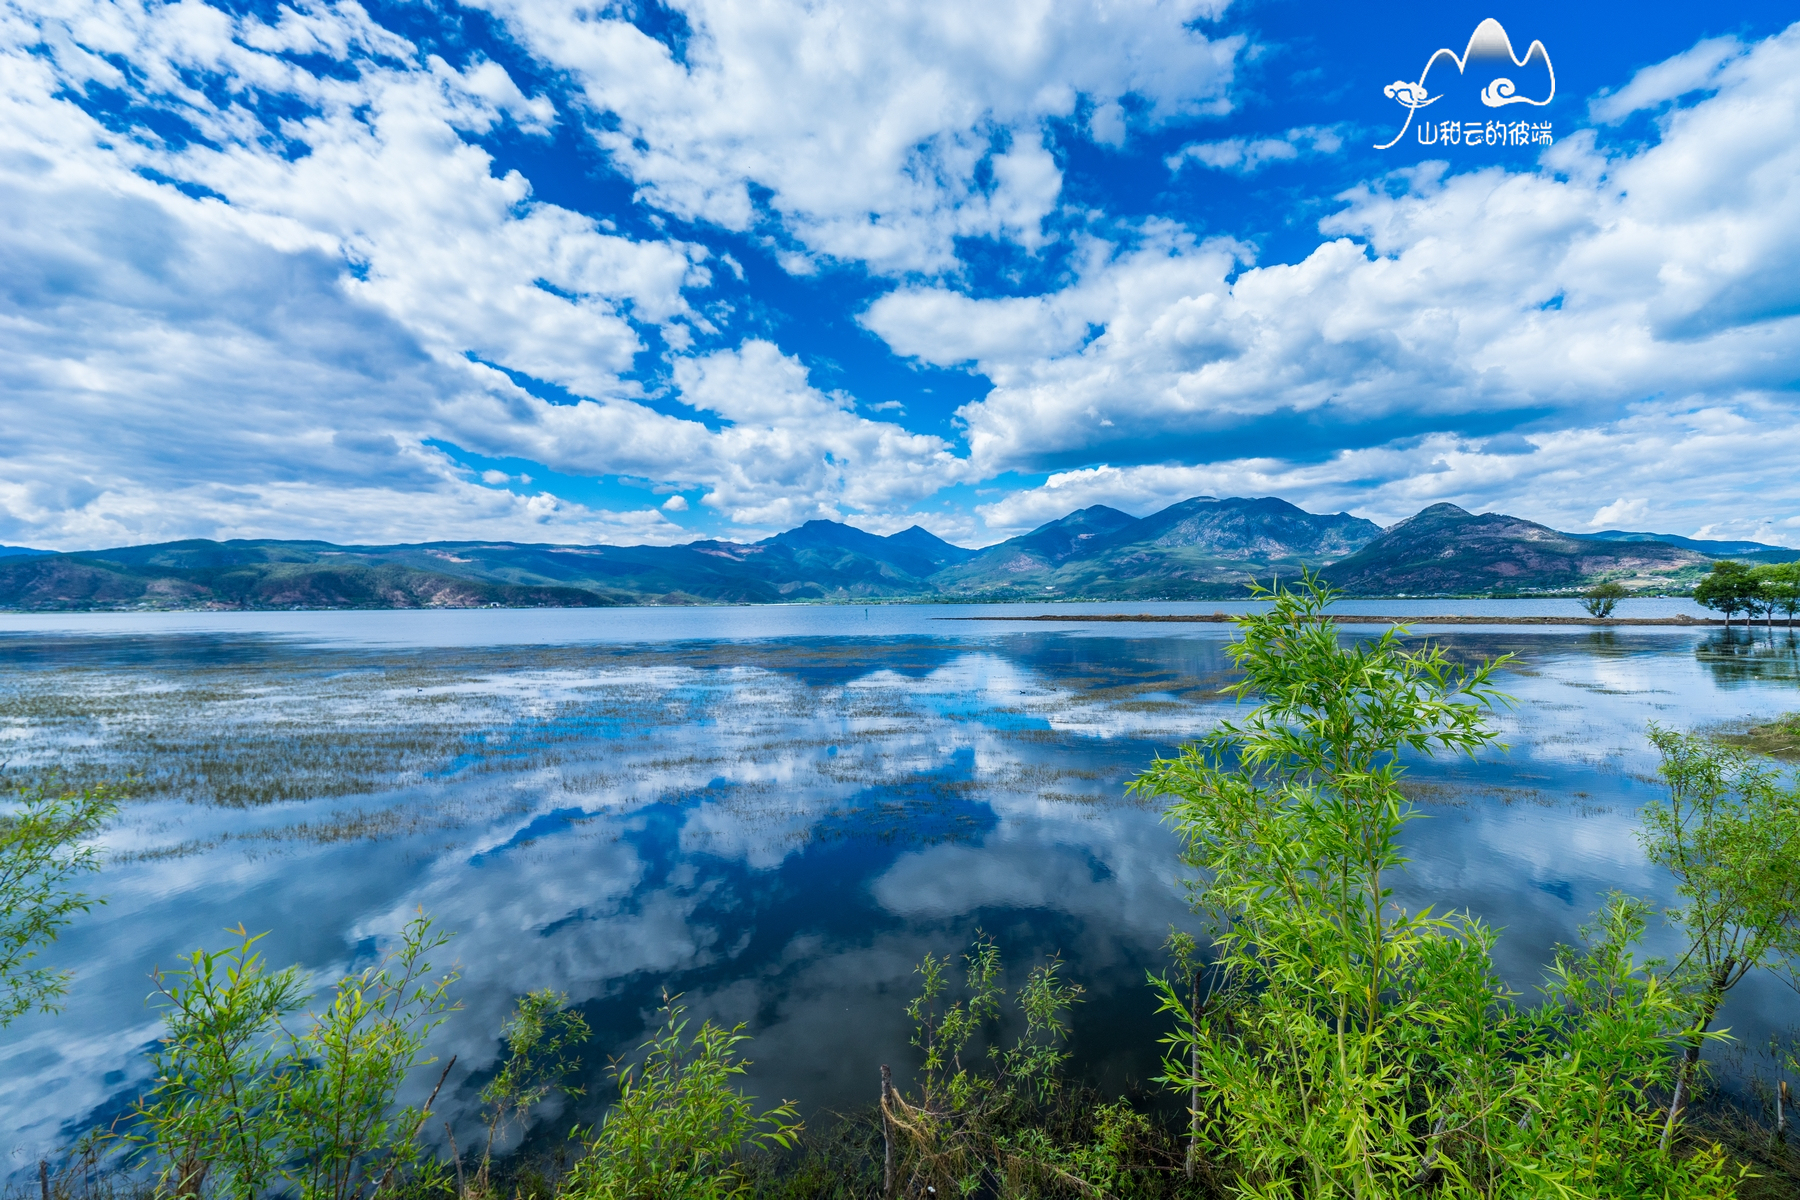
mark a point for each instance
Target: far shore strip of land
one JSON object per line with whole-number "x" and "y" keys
{"x": 1222, "y": 618}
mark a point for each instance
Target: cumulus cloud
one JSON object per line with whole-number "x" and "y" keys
{"x": 253, "y": 269}
{"x": 881, "y": 131}
{"x": 1603, "y": 280}
{"x": 1690, "y": 71}
{"x": 374, "y": 170}
{"x": 1621, "y": 513}
{"x": 256, "y": 328}
{"x": 782, "y": 425}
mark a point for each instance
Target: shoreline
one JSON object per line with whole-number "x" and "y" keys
{"x": 1222, "y": 618}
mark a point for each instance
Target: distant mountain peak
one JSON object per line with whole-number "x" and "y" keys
{"x": 1761, "y": 552}
{"x": 915, "y": 551}
{"x": 918, "y": 535}
{"x": 1444, "y": 549}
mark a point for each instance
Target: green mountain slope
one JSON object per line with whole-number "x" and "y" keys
{"x": 1445, "y": 550}
{"x": 81, "y": 582}
{"x": 821, "y": 560}
{"x": 1199, "y": 549}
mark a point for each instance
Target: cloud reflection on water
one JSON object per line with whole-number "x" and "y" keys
{"x": 780, "y": 829}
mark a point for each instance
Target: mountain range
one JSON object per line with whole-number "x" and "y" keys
{"x": 1199, "y": 549}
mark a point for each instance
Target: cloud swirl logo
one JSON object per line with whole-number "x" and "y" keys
{"x": 1489, "y": 53}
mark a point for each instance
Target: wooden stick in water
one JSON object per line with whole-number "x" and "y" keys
{"x": 887, "y": 1133}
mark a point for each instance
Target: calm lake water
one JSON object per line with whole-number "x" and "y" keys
{"x": 776, "y": 811}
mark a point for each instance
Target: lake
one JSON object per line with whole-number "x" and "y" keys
{"x": 774, "y": 811}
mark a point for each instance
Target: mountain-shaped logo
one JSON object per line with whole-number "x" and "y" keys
{"x": 1487, "y": 61}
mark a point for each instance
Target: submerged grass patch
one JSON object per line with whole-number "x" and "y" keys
{"x": 1779, "y": 738}
{"x": 385, "y": 744}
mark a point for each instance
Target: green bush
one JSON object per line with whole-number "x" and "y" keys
{"x": 1728, "y": 831}
{"x": 42, "y": 852}
{"x": 680, "y": 1128}
{"x": 240, "y": 1105}
{"x": 1346, "y": 1045}
{"x": 540, "y": 1061}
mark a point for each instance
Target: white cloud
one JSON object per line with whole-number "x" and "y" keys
{"x": 1246, "y": 156}
{"x": 274, "y": 355}
{"x": 1621, "y": 514}
{"x": 882, "y": 129}
{"x": 1013, "y": 336}
{"x": 1691, "y": 70}
{"x": 358, "y": 279}
{"x": 826, "y": 456}
{"x": 128, "y": 512}
{"x": 1542, "y": 476}
{"x": 675, "y": 503}
{"x": 1597, "y": 283}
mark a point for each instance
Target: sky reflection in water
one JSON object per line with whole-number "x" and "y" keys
{"x": 778, "y": 827}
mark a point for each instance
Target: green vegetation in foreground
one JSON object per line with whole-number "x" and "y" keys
{"x": 44, "y": 847}
{"x": 1330, "y": 1044}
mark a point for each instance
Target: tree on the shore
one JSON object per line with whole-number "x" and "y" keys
{"x": 1602, "y": 598}
{"x": 1730, "y": 588}
{"x": 1778, "y": 586}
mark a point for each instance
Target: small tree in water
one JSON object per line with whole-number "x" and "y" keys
{"x": 1602, "y": 598}
{"x": 1779, "y": 586}
{"x": 1352, "y": 1047}
{"x": 1730, "y": 588}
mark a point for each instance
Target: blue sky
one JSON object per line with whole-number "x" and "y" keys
{"x": 579, "y": 272}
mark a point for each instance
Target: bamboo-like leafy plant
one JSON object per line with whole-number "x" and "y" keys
{"x": 973, "y": 1121}
{"x": 541, "y": 1060}
{"x": 240, "y": 1104}
{"x": 1728, "y": 830}
{"x": 43, "y": 850}
{"x": 1349, "y": 1046}
{"x": 680, "y": 1126}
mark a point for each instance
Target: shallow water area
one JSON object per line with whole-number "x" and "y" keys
{"x": 563, "y": 626}
{"x": 776, "y": 811}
